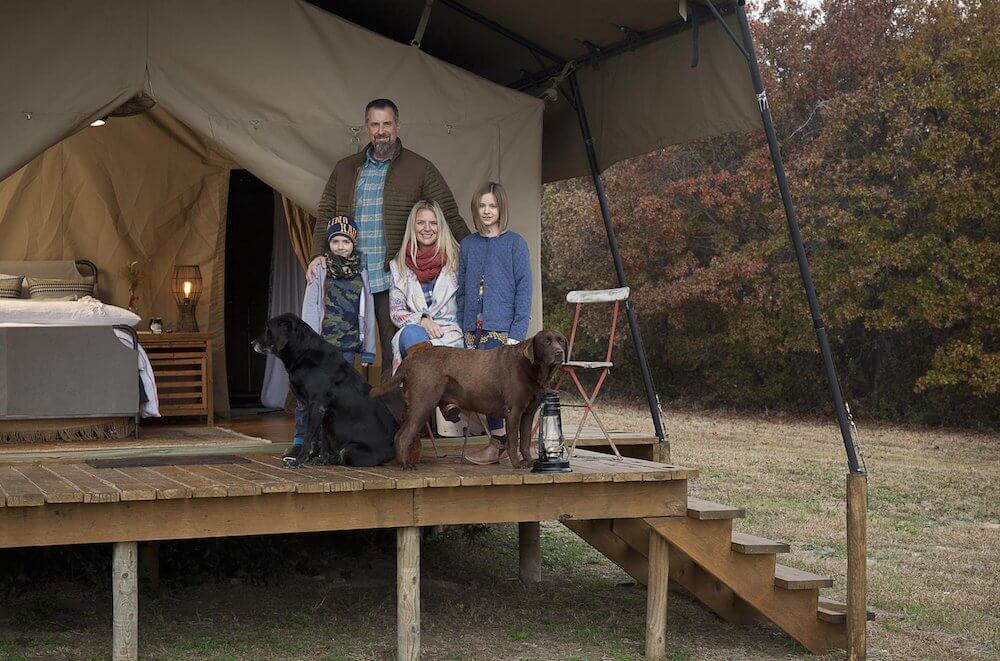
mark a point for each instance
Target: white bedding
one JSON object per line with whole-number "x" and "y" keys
{"x": 87, "y": 311}
{"x": 151, "y": 407}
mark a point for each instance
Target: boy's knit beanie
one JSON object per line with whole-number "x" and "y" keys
{"x": 342, "y": 225}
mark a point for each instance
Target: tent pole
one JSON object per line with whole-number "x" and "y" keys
{"x": 800, "y": 253}
{"x": 595, "y": 173}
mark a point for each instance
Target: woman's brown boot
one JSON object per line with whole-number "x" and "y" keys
{"x": 494, "y": 451}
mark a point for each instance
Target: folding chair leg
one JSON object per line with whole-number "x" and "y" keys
{"x": 430, "y": 433}
{"x": 486, "y": 427}
{"x": 589, "y": 409}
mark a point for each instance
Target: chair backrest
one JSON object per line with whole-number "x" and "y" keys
{"x": 583, "y": 297}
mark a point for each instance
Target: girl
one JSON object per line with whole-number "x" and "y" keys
{"x": 338, "y": 305}
{"x": 494, "y": 292}
{"x": 422, "y": 298}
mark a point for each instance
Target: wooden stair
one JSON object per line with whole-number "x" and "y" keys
{"x": 733, "y": 573}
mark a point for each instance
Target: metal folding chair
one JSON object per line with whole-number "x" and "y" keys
{"x": 603, "y": 367}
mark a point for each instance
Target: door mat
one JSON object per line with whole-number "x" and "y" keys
{"x": 144, "y": 462}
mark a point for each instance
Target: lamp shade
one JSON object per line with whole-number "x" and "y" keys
{"x": 186, "y": 284}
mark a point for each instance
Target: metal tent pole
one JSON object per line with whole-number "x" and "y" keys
{"x": 800, "y": 252}
{"x": 595, "y": 173}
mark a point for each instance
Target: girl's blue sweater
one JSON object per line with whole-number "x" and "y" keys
{"x": 504, "y": 266}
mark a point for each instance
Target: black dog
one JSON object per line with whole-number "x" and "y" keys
{"x": 344, "y": 425}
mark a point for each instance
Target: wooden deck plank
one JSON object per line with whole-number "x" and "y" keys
{"x": 388, "y": 477}
{"x": 652, "y": 471}
{"x": 94, "y": 489}
{"x": 304, "y": 480}
{"x": 18, "y": 490}
{"x": 266, "y": 474}
{"x": 469, "y": 474}
{"x": 706, "y": 510}
{"x": 790, "y": 578}
{"x": 128, "y": 487}
{"x": 193, "y": 518}
{"x": 235, "y": 486}
{"x": 752, "y": 544}
{"x": 595, "y": 470}
{"x": 319, "y": 479}
{"x": 439, "y": 474}
{"x": 201, "y": 486}
{"x": 267, "y": 483}
{"x": 166, "y": 488}
{"x": 56, "y": 489}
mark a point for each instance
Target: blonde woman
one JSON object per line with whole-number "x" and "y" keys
{"x": 424, "y": 283}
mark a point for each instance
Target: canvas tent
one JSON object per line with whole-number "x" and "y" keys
{"x": 275, "y": 85}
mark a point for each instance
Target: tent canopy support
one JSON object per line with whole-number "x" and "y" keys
{"x": 840, "y": 409}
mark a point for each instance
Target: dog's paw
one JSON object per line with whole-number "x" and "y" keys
{"x": 520, "y": 464}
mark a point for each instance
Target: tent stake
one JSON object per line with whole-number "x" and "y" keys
{"x": 800, "y": 253}
{"x": 595, "y": 173}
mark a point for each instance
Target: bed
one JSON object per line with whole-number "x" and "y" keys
{"x": 69, "y": 369}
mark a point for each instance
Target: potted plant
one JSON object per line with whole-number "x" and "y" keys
{"x": 133, "y": 275}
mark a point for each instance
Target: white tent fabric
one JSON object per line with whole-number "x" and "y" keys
{"x": 275, "y": 86}
{"x": 288, "y": 287}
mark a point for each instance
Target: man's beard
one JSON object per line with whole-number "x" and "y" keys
{"x": 382, "y": 148}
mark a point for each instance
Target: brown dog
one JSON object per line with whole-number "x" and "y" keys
{"x": 506, "y": 382}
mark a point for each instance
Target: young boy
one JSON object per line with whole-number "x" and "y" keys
{"x": 338, "y": 305}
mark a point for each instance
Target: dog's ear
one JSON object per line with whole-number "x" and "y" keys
{"x": 528, "y": 349}
{"x": 280, "y": 338}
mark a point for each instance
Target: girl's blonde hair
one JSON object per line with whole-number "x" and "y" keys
{"x": 445, "y": 241}
{"x": 500, "y": 194}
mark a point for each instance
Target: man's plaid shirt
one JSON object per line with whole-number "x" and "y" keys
{"x": 368, "y": 217}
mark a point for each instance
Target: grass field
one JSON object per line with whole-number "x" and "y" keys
{"x": 934, "y": 549}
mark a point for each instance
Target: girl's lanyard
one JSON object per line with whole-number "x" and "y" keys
{"x": 482, "y": 290}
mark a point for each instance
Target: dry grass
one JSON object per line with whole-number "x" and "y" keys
{"x": 934, "y": 525}
{"x": 934, "y": 545}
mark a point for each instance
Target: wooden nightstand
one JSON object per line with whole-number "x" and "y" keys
{"x": 182, "y": 367}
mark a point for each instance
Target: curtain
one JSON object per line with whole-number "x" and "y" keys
{"x": 288, "y": 286}
{"x": 300, "y": 230}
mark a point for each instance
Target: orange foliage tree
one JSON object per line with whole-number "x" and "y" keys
{"x": 887, "y": 114}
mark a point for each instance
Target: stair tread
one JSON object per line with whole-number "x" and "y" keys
{"x": 744, "y": 543}
{"x": 791, "y": 578}
{"x": 831, "y": 610}
{"x": 706, "y": 510}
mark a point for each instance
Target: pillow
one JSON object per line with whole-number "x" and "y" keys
{"x": 59, "y": 288}
{"x": 10, "y": 286}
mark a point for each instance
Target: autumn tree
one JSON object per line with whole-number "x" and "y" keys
{"x": 887, "y": 113}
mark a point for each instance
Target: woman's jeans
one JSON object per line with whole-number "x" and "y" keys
{"x": 302, "y": 416}
{"x": 488, "y": 341}
{"x": 410, "y": 335}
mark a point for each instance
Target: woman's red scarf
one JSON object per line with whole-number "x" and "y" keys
{"x": 428, "y": 265}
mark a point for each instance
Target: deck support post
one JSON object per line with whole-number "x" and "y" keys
{"x": 857, "y": 569}
{"x": 408, "y": 593}
{"x": 125, "y": 594}
{"x": 529, "y": 546}
{"x": 657, "y": 586}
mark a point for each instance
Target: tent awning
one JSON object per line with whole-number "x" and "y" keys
{"x": 638, "y": 85}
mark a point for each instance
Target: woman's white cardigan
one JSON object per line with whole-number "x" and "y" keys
{"x": 407, "y": 305}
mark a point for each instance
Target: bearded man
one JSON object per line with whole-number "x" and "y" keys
{"x": 377, "y": 188}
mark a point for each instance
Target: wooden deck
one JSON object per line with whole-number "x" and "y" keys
{"x": 203, "y": 483}
{"x": 68, "y": 497}
{"x": 74, "y": 503}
